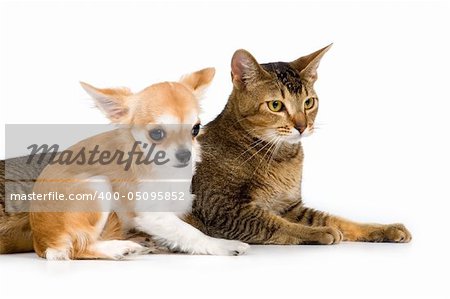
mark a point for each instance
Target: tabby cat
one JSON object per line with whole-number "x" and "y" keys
{"x": 248, "y": 184}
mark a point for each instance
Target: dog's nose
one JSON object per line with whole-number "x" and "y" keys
{"x": 183, "y": 155}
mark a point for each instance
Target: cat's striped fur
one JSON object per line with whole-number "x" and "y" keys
{"x": 248, "y": 187}
{"x": 15, "y": 230}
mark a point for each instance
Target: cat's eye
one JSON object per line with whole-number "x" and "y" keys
{"x": 309, "y": 103}
{"x": 195, "y": 130}
{"x": 157, "y": 134}
{"x": 275, "y": 106}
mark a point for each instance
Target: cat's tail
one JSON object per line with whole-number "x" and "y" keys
{"x": 15, "y": 229}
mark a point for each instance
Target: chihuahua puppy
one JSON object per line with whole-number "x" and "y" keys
{"x": 165, "y": 114}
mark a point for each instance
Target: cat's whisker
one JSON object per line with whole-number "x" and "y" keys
{"x": 275, "y": 150}
{"x": 262, "y": 138}
{"x": 251, "y": 131}
{"x": 269, "y": 142}
{"x": 268, "y": 150}
{"x": 274, "y": 142}
{"x": 256, "y": 143}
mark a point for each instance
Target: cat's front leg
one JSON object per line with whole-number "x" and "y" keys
{"x": 352, "y": 231}
{"x": 170, "y": 230}
{"x": 252, "y": 224}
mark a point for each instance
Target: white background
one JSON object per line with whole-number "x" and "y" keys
{"x": 381, "y": 155}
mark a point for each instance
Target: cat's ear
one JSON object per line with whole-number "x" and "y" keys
{"x": 307, "y": 65}
{"x": 198, "y": 81}
{"x": 111, "y": 101}
{"x": 245, "y": 70}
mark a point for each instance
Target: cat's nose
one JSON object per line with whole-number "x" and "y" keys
{"x": 183, "y": 155}
{"x": 299, "y": 121}
{"x": 300, "y": 128}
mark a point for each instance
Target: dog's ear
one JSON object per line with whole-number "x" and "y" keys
{"x": 111, "y": 101}
{"x": 198, "y": 81}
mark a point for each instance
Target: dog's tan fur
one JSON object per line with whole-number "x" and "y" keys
{"x": 75, "y": 232}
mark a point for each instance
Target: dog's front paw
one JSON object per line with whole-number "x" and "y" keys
{"x": 226, "y": 247}
{"x": 121, "y": 249}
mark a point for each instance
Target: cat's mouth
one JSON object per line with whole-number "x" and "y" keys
{"x": 283, "y": 134}
{"x": 295, "y": 136}
{"x": 308, "y": 132}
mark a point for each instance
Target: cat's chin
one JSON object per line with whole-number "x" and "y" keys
{"x": 293, "y": 139}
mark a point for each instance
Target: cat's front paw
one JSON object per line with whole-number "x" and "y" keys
{"x": 226, "y": 247}
{"x": 396, "y": 233}
{"x": 325, "y": 236}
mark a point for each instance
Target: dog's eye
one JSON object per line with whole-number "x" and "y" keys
{"x": 195, "y": 130}
{"x": 157, "y": 134}
{"x": 309, "y": 103}
{"x": 275, "y": 106}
